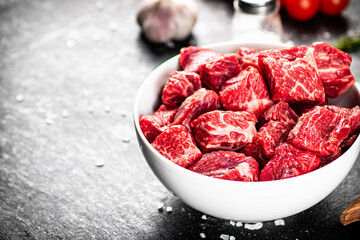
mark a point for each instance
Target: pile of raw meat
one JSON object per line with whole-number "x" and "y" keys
{"x": 255, "y": 116}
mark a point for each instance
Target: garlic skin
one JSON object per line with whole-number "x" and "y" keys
{"x": 166, "y": 20}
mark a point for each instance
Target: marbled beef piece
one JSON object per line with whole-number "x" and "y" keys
{"x": 289, "y": 161}
{"x": 280, "y": 112}
{"x": 329, "y": 159}
{"x": 291, "y": 75}
{"x": 313, "y": 130}
{"x": 248, "y": 57}
{"x": 192, "y": 59}
{"x": 293, "y": 82}
{"x": 347, "y": 127}
{"x": 224, "y": 130}
{"x": 334, "y": 69}
{"x": 349, "y": 141}
{"x": 323, "y": 129}
{"x": 269, "y": 136}
{"x": 153, "y": 125}
{"x": 227, "y": 165}
{"x": 253, "y": 150}
{"x": 290, "y": 54}
{"x": 246, "y": 92}
{"x": 278, "y": 120}
{"x": 179, "y": 86}
{"x": 200, "y": 102}
{"x": 177, "y": 144}
{"x": 219, "y": 69}
{"x": 214, "y": 68}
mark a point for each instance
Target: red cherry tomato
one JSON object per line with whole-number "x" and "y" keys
{"x": 282, "y": 3}
{"x": 333, "y": 7}
{"x": 302, "y": 10}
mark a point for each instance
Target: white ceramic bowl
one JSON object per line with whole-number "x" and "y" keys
{"x": 241, "y": 201}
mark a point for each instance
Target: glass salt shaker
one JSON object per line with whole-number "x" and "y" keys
{"x": 257, "y": 21}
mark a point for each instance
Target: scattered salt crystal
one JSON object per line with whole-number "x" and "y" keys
{"x": 170, "y": 44}
{"x": 169, "y": 209}
{"x": 255, "y": 226}
{"x": 107, "y": 108}
{"x": 160, "y": 207}
{"x": 113, "y": 26}
{"x": 100, "y": 163}
{"x": 232, "y": 238}
{"x": 203, "y": 217}
{"x": 279, "y": 222}
{"x": 65, "y": 113}
{"x": 202, "y": 235}
{"x": 50, "y": 118}
{"x": 96, "y": 37}
{"x": 90, "y": 109}
{"x": 326, "y": 35}
{"x": 239, "y": 224}
{"x": 70, "y": 43}
{"x": 232, "y": 223}
{"x": 19, "y": 97}
{"x": 224, "y": 236}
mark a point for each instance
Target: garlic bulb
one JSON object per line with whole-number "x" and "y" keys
{"x": 166, "y": 20}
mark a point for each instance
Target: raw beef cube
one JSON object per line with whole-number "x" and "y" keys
{"x": 269, "y": 136}
{"x": 227, "y": 165}
{"x": 153, "y": 125}
{"x": 246, "y": 92}
{"x": 349, "y": 141}
{"x": 293, "y": 81}
{"x": 192, "y": 59}
{"x": 179, "y": 86}
{"x": 313, "y": 130}
{"x": 280, "y": 112}
{"x": 177, "y": 145}
{"x": 328, "y": 159}
{"x": 248, "y": 57}
{"x": 289, "y": 161}
{"x": 302, "y": 108}
{"x": 334, "y": 69}
{"x": 277, "y": 120}
{"x": 200, "y": 102}
{"x": 289, "y": 54}
{"x": 348, "y": 125}
{"x": 225, "y": 130}
{"x": 253, "y": 150}
{"x": 219, "y": 69}
{"x": 292, "y": 75}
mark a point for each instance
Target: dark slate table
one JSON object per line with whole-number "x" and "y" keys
{"x": 70, "y": 165}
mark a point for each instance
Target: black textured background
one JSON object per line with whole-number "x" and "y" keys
{"x": 69, "y": 73}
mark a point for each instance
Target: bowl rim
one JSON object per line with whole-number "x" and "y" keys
{"x": 199, "y": 176}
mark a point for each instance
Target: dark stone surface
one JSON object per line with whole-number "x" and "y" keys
{"x": 69, "y": 73}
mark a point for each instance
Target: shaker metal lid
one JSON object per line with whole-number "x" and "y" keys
{"x": 258, "y": 6}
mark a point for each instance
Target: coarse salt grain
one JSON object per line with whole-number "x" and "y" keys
{"x": 202, "y": 235}
{"x": 100, "y": 163}
{"x": 224, "y": 236}
{"x": 232, "y": 223}
{"x": 239, "y": 224}
{"x": 203, "y": 217}
{"x": 279, "y": 222}
{"x": 169, "y": 209}
{"x": 255, "y": 226}
{"x": 19, "y": 98}
{"x": 160, "y": 207}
